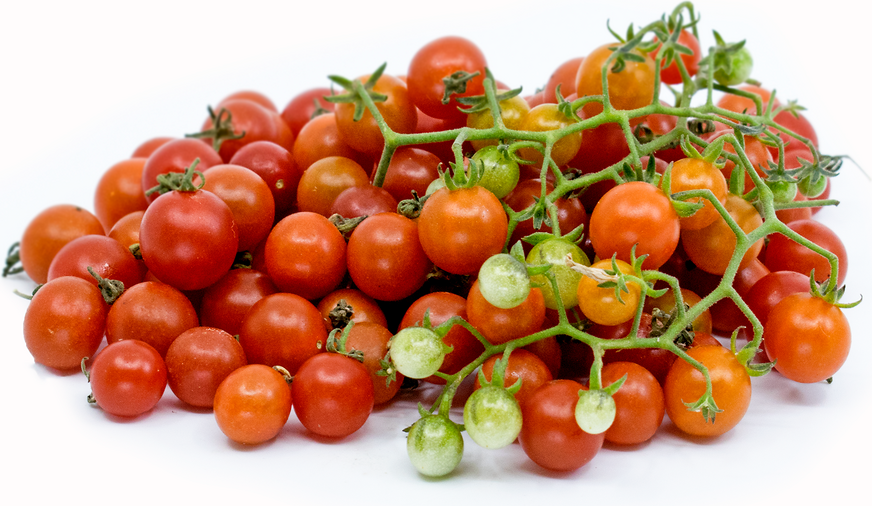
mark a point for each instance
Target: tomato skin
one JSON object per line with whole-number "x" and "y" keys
{"x": 635, "y": 213}
{"x": 731, "y": 389}
{"x": 225, "y": 303}
{"x": 640, "y": 403}
{"x": 249, "y": 199}
{"x": 397, "y": 110}
{"x": 570, "y": 211}
{"x": 631, "y": 88}
{"x": 364, "y": 200}
{"x": 502, "y": 325}
{"x": 258, "y": 123}
{"x": 550, "y": 435}
{"x": 671, "y": 74}
{"x": 148, "y": 147}
{"x": 711, "y": 247}
{"x": 65, "y": 322}
{"x": 544, "y": 118}
{"x": 300, "y": 109}
{"x": 461, "y": 229}
{"x": 808, "y": 337}
{"x": 333, "y": 395}
{"x": 513, "y": 111}
{"x": 104, "y": 255}
{"x": 198, "y": 361}
{"x": 319, "y": 139}
{"x": 51, "y": 230}
{"x": 306, "y": 255}
{"x": 252, "y": 404}
{"x": 282, "y": 329}
{"x": 325, "y": 179}
{"x": 385, "y": 258}
{"x": 564, "y": 76}
{"x": 372, "y": 339}
{"x": 783, "y": 254}
{"x": 523, "y": 365}
{"x": 364, "y": 308}
{"x": 128, "y": 378}
{"x": 119, "y": 192}
{"x": 443, "y": 306}
{"x": 152, "y": 312}
{"x": 176, "y": 156}
{"x": 439, "y": 59}
{"x": 275, "y": 165}
{"x": 188, "y": 239}
{"x": 411, "y": 168}
{"x": 600, "y": 305}
{"x": 250, "y": 95}
{"x": 696, "y": 174}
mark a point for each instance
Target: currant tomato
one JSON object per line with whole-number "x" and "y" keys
{"x": 364, "y": 200}
{"x": 553, "y": 251}
{"x": 460, "y": 229}
{"x": 731, "y": 390}
{"x": 570, "y": 211}
{"x": 492, "y": 417}
{"x": 439, "y": 60}
{"x": 434, "y": 445}
{"x": 319, "y": 139}
{"x": 385, "y": 258}
{"x": 550, "y": 435}
{"x": 198, "y": 361}
{"x": 601, "y": 305}
{"x": 808, "y": 337}
{"x": 128, "y": 378}
{"x": 252, "y": 404}
{"x": 333, "y": 395}
{"x": 65, "y": 322}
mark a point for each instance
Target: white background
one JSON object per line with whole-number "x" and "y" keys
{"x": 83, "y": 83}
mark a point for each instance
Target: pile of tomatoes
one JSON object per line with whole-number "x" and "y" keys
{"x": 577, "y": 253}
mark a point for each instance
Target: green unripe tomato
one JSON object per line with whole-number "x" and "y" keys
{"x": 434, "y": 445}
{"x": 503, "y": 281}
{"x": 812, "y": 189}
{"x": 782, "y": 191}
{"x": 741, "y": 65}
{"x": 434, "y": 185}
{"x": 417, "y": 352}
{"x": 500, "y": 174}
{"x": 492, "y": 417}
{"x": 595, "y": 411}
{"x": 554, "y": 251}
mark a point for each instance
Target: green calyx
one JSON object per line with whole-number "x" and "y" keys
{"x": 222, "y": 129}
{"x": 111, "y": 289}
{"x": 455, "y": 84}
{"x": 179, "y": 181}
{"x": 13, "y": 260}
{"x": 351, "y": 96}
{"x": 337, "y": 339}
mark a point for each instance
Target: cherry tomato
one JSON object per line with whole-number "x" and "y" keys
{"x": 119, "y": 192}
{"x": 154, "y": 313}
{"x": 325, "y": 179}
{"x": 671, "y": 74}
{"x": 51, "y": 230}
{"x": 512, "y": 111}
{"x": 105, "y": 256}
{"x": 411, "y": 168}
{"x": 523, "y": 365}
{"x": 128, "y": 378}
{"x": 306, "y": 106}
{"x": 631, "y": 88}
{"x": 198, "y": 361}
{"x": 333, "y": 395}
{"x": 731, "y": 390}
{"x": 438, "y": 60}
{"x": 550, "y": 435}
{"x": 306, "y": 255}
{"x": 319, "y": 139}
{"x": 564, "y": 76}
{"x": 364, "y": 308}
{"x": 126, "y": 229}
{"x": 253, "y": 122}
{"x": 176, "y": 156}
{"x": 282, "y": 329}
{"x": 783, "y": 254}
{"x": 397, "y": 110}
{"x": 570, "y": 211}
{"x": 640, "y": 403}
{"x": 249, "y": 199}
{"x": 461, "y": 229}
{"x": 635, "y": 214}
{"x": 275, "y": 165}
{"x": 254, "y": 96}
{"x": 711, "y": 247}
{"x": 385, "y": 257}
{"x": 503, "y": 325}
{"x": 225, "y": 303}
{"x": 601, "y": 305}
{"x": 807, "y": 337}
{"x": 544, "y": 118}
{"x": 65, "y": 322}
{"x": 252, "y": 404}
{"x": 364, "y": 200}
{"x": 696, "y": 174}
{"x": 145, "y": 149}
{"x": 372, "y": 339}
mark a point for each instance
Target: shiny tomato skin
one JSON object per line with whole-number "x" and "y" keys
{"x": 198, "y": 361}
{"x": 385, "y": 258}
{"x": 635, "y": 214}
{"x": 249, "y": 199}
{"x": 783, "y": 254}
{"x": 333, "y": 395}
{"x": 302, "y": 108}
{"x": 225, "y": 303}
{"x": 731, "y": 390}
{"x": 325, "y": 179}
{"x": 631, "y": 88}
{"x": 364, "y": 308}
{"x": 275, "y": 165}
{"x": 564, "y": 75}
{"x": 524, "y": 366}
{"x": 439, "y": 59}
{"x": 128, "y": 378}
{"x": 411, "y": 168}
{"x": 373, "y": 339}
{"x": 639, "y": 401}
{"x": 808, "y": 337}
{"x": 461, "y": 229}
{"x": 119, "y": 192}
{"x": 503, "y": 325}
{"x": 306, "y": 255}
{"x": 256, "y": 122}
{"x": 397, "y": 110}
{"x": 671, "y": 74}
{"x": 188, "y": 239}
{"x": 65, "y": 322}
{"x": 51, "y": 230}
{"x": 711, "y": 247}
{"x": 550, "y": 435}
{"x": 319, "y": 139}
{"x": 364, "y": 200}
{"x": 107, "y": 257}
{"x": 253, "y": 404}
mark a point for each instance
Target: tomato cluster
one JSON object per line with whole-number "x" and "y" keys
{"x": 577, "y": 252}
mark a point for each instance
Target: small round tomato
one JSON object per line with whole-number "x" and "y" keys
{"x": 544, "y": 118}
{"x": 570, "y": 211}
{"x": 364, "y": 200}
{"x": 306, "y": 106}
{"x": 372, "y": 340}
{"x": 631, "y": 88}
{"x": 65, "y": 322}
{"x": 225, "y": 303}
{"x": 249, "y": 199}
{"x": 306, "y": 255}
{"x": 672, "y": 74}
{"x": 550, "y": 435}
{"x": 333, "y": 395}
{"x": 434, "y": 445}
{"x": 145, "y": 149}
{"x": 523, "y": 365}
{"x": 807, "y": 337}
{"x": 438, "y": 60}
{"x": 512, "y": 111}
{"x": 385, "y": 257}
{"x": 251, "y": 122}
{"x": 363, "y": 307}
{"x": 601, "y": 305}
{"x": 411, "y": 168}
{"x": 783, "y": 254}
{"x": 503, "y": 325}
{"x": 275, "y": 165}
{"x": 319, "y": 139}
{"x": 697, "y": 174}
{"x": 176, "y": 156}
{"x": 460, "y": 229}
{"x": 500, "y": 174}
{"x": 397, "y": 110}
{"x": 564, "y": 76}
{"x": 711, "y": 247}
{"x": 252, "y": 404}
{"x": 128, "y": 378}
{"x": 325, "y": 179}
{"x": 119, "y": 192}
{"x": 553, "y": 251}
{"x": 251, "y": 95}
{"x": 198, "y": 361}
{"x": 731, "y": 390}
{"x": 51, "y": 230}
{"x": 635, "y": 214}
{"x": 492, "y": 417}
{"x": 105, "y": 256}
{"x": 639, "y": 401}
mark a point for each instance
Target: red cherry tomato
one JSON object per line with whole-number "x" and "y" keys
{"x": 253, "y": 404}
{"x": 198, "y": 361}
{"x": 333, "y": 395}
{"x": 128, "y": 378}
